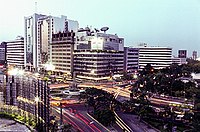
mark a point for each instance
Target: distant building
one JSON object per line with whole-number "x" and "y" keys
{"x": 97, "y": 65}
{"x": 15, "y": 52}
{"x": 131, "y": 59}
{"x": 179, "y": 61}
{"x": 62, "y": 48}
{"x": 158, "y": 57}
{"x": 3, "y": 51}
{"x": 194, "y": 55}
{"x": 182, "y": 53}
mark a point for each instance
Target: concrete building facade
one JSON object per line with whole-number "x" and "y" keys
{"x": 47, "y": 26}
{"x": 97, "y": 65}
{"x": 96, "y": 40}
{"x": 3, "y": 51}
{"x": 38, "y": 36}
{"x": 30, "y": 41}
{"x": 158, "y": 57}
{"x": 15, "y": 52}
{"x": 62, "y": 47}
{"x": 131, "y": 59}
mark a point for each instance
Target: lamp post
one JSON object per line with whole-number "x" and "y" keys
{"x": 37, "y": 99}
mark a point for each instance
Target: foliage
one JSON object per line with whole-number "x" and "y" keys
{"x": 101, "y": 102}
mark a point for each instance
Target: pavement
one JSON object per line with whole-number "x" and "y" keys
{"x": 12, "y": 126}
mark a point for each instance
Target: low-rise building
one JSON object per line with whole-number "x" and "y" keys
{"x": 97, "y": 65}
{"x": 158, "y": 57}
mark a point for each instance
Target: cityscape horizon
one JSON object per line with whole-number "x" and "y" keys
{"x": 170, "y": 31}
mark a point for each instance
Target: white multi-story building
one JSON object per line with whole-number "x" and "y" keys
{"x": 47, "y": 26}
{"x": 179, "y": 61}
{"x": 15, "y": 52}
{"x": 158, "y": 57}
{"x": 96, "y": 40}
{"x": 30, "y": 41}
{"x": 131, "y": 57}
{"x": 97, "y": 65}
{"x": 38, "y": 36}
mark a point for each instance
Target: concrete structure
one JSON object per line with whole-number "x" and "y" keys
{"x": 131, "y": 57}
{"x": 30, "y": 41}
{"x": 31, "y": 95}
{"x": 47, "y": 26}
{"x": 3, "y": 51}
{"x": 15, "y": 52}
{"x": 38, "y": 35}
{"x": 62, "y": 48}
{"x": 179, "y": 61}
{"x": 158, "y": 57}
{"x": 182, "y": 53}
{"x": 95, "y": 40}
{"x": 97, "y": 65}
{"x": 194, "y": 55}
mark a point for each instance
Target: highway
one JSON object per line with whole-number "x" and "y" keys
{"x": 79, "y": 119}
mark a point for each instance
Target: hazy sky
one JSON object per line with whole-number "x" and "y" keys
{"x": 172, "y": 23}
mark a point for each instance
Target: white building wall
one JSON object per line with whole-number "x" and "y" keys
{"x": 15, "y": 52}
{"x": 158, "y": 57}
{"x": 30, "y": 40}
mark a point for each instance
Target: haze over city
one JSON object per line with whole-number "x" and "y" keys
{"x": 158, "y": 23}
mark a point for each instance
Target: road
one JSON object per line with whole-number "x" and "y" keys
{"x": 134, "y": 123}
{"x": 79, "y": 119}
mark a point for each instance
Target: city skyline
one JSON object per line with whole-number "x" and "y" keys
{"x": 157, "y": 23}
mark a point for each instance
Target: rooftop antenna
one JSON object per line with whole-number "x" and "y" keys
{"x": 35, "y": 6}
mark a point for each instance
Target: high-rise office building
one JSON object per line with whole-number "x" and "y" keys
{"x": 30, "y": 41}
{"x": 62, "y": 47}
{"x": 38, "y": 36}
{"x": 15, "y": 52}
{"x": 182, "y": 53}
{"x": 47, "y": 26}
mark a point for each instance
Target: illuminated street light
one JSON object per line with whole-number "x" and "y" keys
{"x": 49, "y": 67}
{"x": 37, "y": 99}
{"x": 135, "y": 76}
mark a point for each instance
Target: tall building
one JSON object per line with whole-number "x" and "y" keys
{"x": 182, "y": 53}
{"x": 62, "y": 47}
{"x": 194, "y": 55}
{"x": 22, "y": 92}
{"x": 47, "y": 26}
{"x": 30, "y": 41}
{"x": 3, "y": 51}
{"x": 97, "y": 65}
{"x": 15, "y": 52}
{"x": 158, "y": 57}
{"x": 131, "y": 57}
{"x": 38, "y": 35}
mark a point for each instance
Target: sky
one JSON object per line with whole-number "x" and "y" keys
{"x": 168, "y": 23}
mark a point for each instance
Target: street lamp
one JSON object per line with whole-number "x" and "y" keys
{"x": 37, "y": 99}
